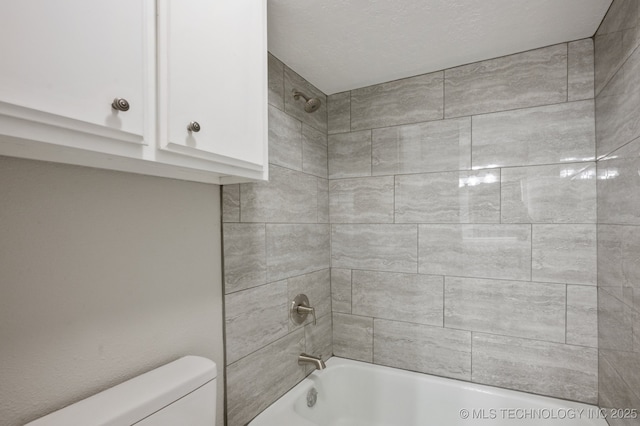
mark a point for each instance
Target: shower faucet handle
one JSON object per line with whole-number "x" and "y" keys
{"x": 300, "y": 309}
{"x": 306, "y": 311}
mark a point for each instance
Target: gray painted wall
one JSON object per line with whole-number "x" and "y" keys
{"x": 463, "y": 222}
{"x": 617, "y": 76}
{"x": 105, "y": 275}
{"x": 276, "y": 245}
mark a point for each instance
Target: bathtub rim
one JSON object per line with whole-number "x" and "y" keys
{"x": 305, "y": 384}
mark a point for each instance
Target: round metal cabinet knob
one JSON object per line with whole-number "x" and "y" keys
{"x": 194, "y": 126}
{"x": 120, "y": 104}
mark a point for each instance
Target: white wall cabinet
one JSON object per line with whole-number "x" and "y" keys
{"x": 64, "y": 63}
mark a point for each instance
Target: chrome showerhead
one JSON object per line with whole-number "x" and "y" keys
{"x": 311, "y": 104}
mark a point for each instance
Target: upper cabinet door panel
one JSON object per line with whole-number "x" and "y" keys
{"x": 215, "y": 76}
{"x": 70, "y": 59}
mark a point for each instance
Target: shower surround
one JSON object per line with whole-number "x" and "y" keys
{"x": 617, "y": 77}
{"x": 463, "y": 222}
{"x": 446, "y": 225}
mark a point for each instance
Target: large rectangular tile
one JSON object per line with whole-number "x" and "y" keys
{"x": 536, "y": 77}
{"x": 541, "y": 135}
{"x": 613, "y": 391}
{"x": 350, "y": 154}
{"x": 618, "y": 186}
{"x": 293, "y": 81}
{"x": 581, "y": 70}
{"x": 323, "y": 200}
{"x": 613, "y": 109}
{"x": 317, "y": 287}
{"x": 245, "y": 263}
{"x": 582, "y": 315}
{"x": 314, "y": 151}
{"x": 513, "y": 308}
{"x": 296, "y": 249}
{"x": 341, "y": 290}
{"x": 395, "y": 296}
{"x": 553, "y": 369}
{"x": 549, "y": 194}
{"x": 564, "y": 254}
{"x": 339, "y": 112}
{"x": 619, "y": 260}
{"x": 276, "y": 82}
{"x": 254, "y": 318}
{"x": 256, "y": 381}
{"x": 353, "y": 337}
{"x": 615, "y": 39}
{"x": 618, "y": 108}
{"x": 390, "y": 248}
{"x": 615, "y": 322}
{"x": 448, "y": 197}
{"x": 361, "y": 200}
{"x": 409, "y": 100}
{"x": 443, "y": 145}
{"x": 608, "y": 58}
{"x": 431, "y": 350}
{"x": 288, "y": 196}
{"x": 231, "y": 203}
{"x": 285, "y": 140}
{"x": 487, "y": 251}
{"x": 319, "y": 338}
{"x": 627, "y": 364}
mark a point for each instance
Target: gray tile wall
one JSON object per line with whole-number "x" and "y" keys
{"x": 276, "y": 244}
{"x": 617, "y": 82}
{"x": 463, "y": 226}
{"x": 422, "y": 231}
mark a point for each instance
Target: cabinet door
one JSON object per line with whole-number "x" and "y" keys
{"x": 64, "y": 62}
{"x": 213, "y": 59}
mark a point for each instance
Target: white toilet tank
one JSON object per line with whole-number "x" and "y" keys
{"x": 182, "y": 392}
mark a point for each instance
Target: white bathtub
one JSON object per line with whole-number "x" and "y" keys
{"x": 352, "y": 393}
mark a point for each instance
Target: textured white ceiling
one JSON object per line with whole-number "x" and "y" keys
{"x": 344, "y": 44}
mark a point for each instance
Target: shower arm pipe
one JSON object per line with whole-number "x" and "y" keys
{"x": 297, "y": 94}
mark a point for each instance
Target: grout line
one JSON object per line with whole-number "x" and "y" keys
{"x": 585, "y": 162}
{"x": 512, "y": 336}
{"x": 299, "y": 328}
{"x": 278, "y": 280}
{"x": 458, "y": 117}
{"x": 505, "y": 224}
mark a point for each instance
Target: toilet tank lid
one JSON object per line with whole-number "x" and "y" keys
{"x": 137, "y": 398}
